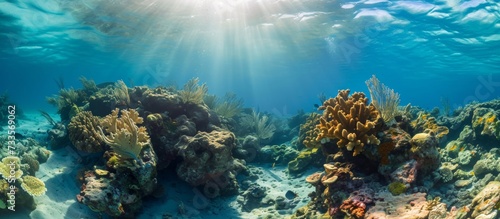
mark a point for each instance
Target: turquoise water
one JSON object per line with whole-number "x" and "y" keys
{"x": 276, "y": 55}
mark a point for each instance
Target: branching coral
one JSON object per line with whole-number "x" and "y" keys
{"x": 308, "y": 131}
{"x": 383, "y": 98}
{"x": 125, "y": 138}
{"x": 350, "y": 120}
{"x": 192, "y": 93}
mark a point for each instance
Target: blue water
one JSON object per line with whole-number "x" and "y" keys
{"x": 277, "y": 55}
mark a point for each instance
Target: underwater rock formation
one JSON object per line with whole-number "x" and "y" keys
{"x": 424, "y": 150}
{"x": 207, "y": 161}
{"x": 118, "y": 189}
{"x": 304, "y": 159}
{"x": 485, "y": 122}
{"x": 253, "y": 198}
{"x": 132, "y": 159}
{"x": 425, "y": 123}
{"x": 350, "y": 120}
{"x": 335, "y": 182}
{"x": 102, "y": 102}
{"x": 412, "y": 206}
{"x": 486, "y": 203}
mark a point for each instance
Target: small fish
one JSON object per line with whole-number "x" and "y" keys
{"x": 316, "y": 106}
{"x": 291, "y": 195}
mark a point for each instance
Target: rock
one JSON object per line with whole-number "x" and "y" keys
{"x": 207, "y": 161}
{"x": 462, "y": 183}
{"x": 424, "y": 150}
{"x": 252, "y": 198}
{"x": 486, "y": 202}
{"x": 412, "y": 206}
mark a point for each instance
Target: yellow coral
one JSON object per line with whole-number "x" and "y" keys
{"x": 84, "y": 132}
{"x": 426, "y": 123}
{"x": 4, "y": 186}
{"x": 397, "y": 188}
{"x": 33, "y": 186}
{"x": 308, "y": 131}
{"x": 490, "y": 119}
{"x": 8, "y": 164}
{"x": 125, "y": 138}
{"x": 350, "y": 120}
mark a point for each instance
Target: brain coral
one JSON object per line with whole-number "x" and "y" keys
{"x": 5, "y": 167}
{"x": 33, "y": 186}
{"x": 350, "y": 119}
{"x": 84, "y": 132}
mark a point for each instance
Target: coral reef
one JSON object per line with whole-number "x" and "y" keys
{"x": 426, "y": 123}
{"x": 65, "y": 101}
{"x": 207, "y": 161}
{"x": 192, "y": 92}
{"x": 308, "y": 131}
{"x": 277, "y": 154}
{"x": 58, "y": 134}
{"x": 228, "y": 107}
{"x": 330, "y": 186}
{"x": 485, "y": 122}
{"x": 125, "y": 138}
{"x": 356, "y": 205}
{"x": 399, "y": 207}
{"x": 303, "y": 160}
{"x": 13, "y": 178}
{"x": 113, "y": 95}
{"x": 486, "y": 203}
{"x": 84, "y": 132}
{"x": 424, "y": 150}
{"x": 258, "y": 125}
{"x": 350, "y": 120}
{"x": 119, "y": 189}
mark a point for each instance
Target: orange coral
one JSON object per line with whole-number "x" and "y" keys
{"x": 487, "y": 121}
{"x": 308, "y": 131}
{"x": 350, "y": 119}
{"x": 353, "y": 208}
